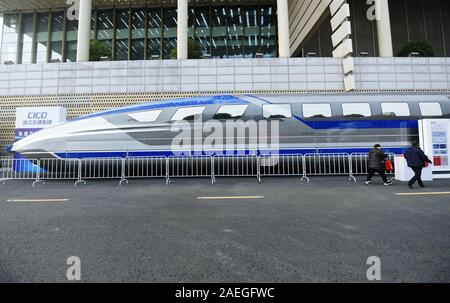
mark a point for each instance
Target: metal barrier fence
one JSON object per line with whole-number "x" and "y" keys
{"x": 281, "y": 165}
{"x": 123, "y": 169}
{"x": 190, "y": 167}
{"x": 359, "y": 163}
{"x": 59, "y": 169}
{"x": 327, "y": 165}
{"x": 145, "y": 167}
{"x": 236, "y": 166}
{"x": 19, "y": 169}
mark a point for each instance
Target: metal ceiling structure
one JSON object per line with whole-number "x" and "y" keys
{"x": 14, "y": 5}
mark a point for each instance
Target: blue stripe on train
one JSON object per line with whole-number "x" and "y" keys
{"x": 80, "y": 155}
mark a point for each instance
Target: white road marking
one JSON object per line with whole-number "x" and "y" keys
{"x": 231, "y": 198}
{"x": 424, "y": 194}
{"x": 38, "y": 200}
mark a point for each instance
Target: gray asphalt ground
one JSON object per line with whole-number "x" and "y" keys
{"x": 146, "y": 231}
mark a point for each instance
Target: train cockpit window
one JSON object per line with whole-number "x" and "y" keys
{"x": 188, "y": 113}
{"x": 226, "y": 112}
{"x": 277, "y": 111}
{"x": 356, "y": 110}
{"x": 431, "y": 109}
{"x": 147, "y": 116}
{"x": 316, "y": 110}
{"x": 395, "y": 109}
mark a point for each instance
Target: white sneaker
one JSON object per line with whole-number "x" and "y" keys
{"x": 368, "y": 182}
{"x": 388, "y": 183}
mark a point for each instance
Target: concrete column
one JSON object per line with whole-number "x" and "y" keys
{"x": 84, "y": 30}
{"x": 283, "y": 29}
{"x": 182, "y": 30}
{"x": 385, "y": 48}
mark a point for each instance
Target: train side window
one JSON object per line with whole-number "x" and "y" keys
{"x": 316, "y": 110}
{"x": 430, "y": 109}
{"x": 277, "y": 111}
{"x": 395, "y": 109}
{"x": 147, "y": 116}
{"x": 188, "y": 113}
{"x": 356, "y": 110}
{"x": 230, "y": 112}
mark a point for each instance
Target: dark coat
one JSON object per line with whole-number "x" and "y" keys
{"x": 376, "y": 159}
{"x": 415, "y": 157}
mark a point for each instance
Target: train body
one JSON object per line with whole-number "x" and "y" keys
{"x": 320, "y": 123}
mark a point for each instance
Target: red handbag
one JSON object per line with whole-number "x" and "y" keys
{"x": 388, "y": 165}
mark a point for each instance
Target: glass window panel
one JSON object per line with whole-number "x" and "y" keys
{"x": 431, "y": 109}
{"x": 191, "y": 27}
{"x": 169, "y": 31}
{"x": 122, "y": 34}
{"x": 230, "y": 112}
{"x": 105, "y": 28}
{"x": 356, "y": 110}
{"x": 56, "y": 36}
{"x": 202, "y": 29}
{"x": 146, "y": 117}
{"x": 188, "y": 113}
{"x": 395, "y": 109}
{"x": 235, "y": 32}
{"x": 154, "y": 32}
{"x": 71, "y": 40}
{"x": 42, "y": 36}
{"x": 252, "y": 28}
{"x": 105, "y": 25}
{"x": 219, "y": 32}
{"x": 138, "y": 24}
{"x": 10, "y": 37}
{"x": 268, "y": 21}
{"x": 137, "y": 51}
{"x": 27, "y": 37}
{"x": 316, "y": 110}
{"x": 277, "y": 111}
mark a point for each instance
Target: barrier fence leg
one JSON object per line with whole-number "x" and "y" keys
{"x": 122, "y": 174}
{"x": 37, "y": 174}
{"x": 258, "y": 168}
{"x": 213, "y": 178}
{"x": 350, "y": 165}
{"x": 167, "y": 172}
{"x": 80, "y": 180}
{"x": 304, "y": 177}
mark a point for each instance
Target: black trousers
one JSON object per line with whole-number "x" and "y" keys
{"x": 381, "y": 172}
{"x": 417, "y": 176}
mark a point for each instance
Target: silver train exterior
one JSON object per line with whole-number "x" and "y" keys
{"x": 131, "y": 131}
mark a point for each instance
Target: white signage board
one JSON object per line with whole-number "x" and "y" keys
{"x": 32, "y": 119}
{"x": 434, "y": 139}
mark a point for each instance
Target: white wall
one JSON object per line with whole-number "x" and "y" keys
{"x": 172, "y": 76}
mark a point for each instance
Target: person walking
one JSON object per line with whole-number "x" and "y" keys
{"x": 417, "y": 160}
{"x": 376, "y": 165}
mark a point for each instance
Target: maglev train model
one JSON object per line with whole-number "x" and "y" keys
{"x": 324, "y": 123}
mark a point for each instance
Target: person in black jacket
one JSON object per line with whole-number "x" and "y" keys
{"x": 416, "y": 159}
{"x": 376, "y": 165}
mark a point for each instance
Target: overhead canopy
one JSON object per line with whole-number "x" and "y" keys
{"x": 11, "y": 5}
